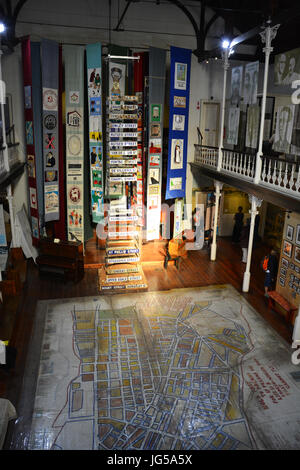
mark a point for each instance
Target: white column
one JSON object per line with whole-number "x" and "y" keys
{"x": 255, "y": 203}
{"x": 266, "y": 36}
{"x": 213, "y": 249}
{"x": 226, "y": 53}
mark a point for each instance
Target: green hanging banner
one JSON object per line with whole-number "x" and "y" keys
{"x": 74, "y": 105}
{"x": 94, "y": 86}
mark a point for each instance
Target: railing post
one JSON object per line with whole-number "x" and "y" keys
{"x": 255, "y": 203}
{"x": 213, "y": 249}
{"x": 226, "y": 53}
{"x": 266, "y": 36}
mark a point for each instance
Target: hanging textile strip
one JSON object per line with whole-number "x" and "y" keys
{"x": 94, "y": 84}
{"x": 60, "y": 225}
{"x": 33, "y": 133}
{"x": 157, "y": 66}
{"x": 74, "y": 99}
{"x": 49, "y": 54}
{"x": 139, "y": 68}
{"x": 178, "y": 122}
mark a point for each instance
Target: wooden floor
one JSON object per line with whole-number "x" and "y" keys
{"x": 196, "y": 270}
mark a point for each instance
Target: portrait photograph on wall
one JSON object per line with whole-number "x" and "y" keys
{"x": 284, "y": 127}
{"x": 287, "y": 248}
{"x": 289, "y": 233}
{"x": 287, "y": 67}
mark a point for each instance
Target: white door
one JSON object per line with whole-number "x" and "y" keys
{"x": 209, "y": 122}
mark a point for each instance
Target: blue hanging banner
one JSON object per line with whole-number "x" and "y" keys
{"x": 178, "y": 122}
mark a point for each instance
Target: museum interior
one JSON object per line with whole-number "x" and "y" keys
{"x": 149, "y": 225}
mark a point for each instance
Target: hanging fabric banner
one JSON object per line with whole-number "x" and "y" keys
{"x": 74, "y": 105}
{"x": 60, "y": 225}
{"x": 139, "y": 68}
{"x": 178, "y": 122}
{"x": 157, "y": 70}
{"x": 94, "y": 84}
{"x": 49, "y": 54}
{"x": 33, "y": 134}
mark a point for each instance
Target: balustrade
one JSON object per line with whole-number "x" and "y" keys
{"x": 279, "y": 175}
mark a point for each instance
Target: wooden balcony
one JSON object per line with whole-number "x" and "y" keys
{"x": 278, "y": 180}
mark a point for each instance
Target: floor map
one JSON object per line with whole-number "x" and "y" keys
{"x": 181, "y": 369}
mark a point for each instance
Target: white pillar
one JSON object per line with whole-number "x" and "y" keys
{"x": 266, "y": 36}
{"x": 226, "y": 53}
{"x": 213, "y": 248}
{"x": 255, "y": 203}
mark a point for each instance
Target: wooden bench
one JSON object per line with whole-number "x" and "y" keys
{"x": 63, "y": 259}
{"x": 276, "y": 299}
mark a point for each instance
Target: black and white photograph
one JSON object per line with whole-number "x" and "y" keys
{"x": 236, "y": 84}
{"x": 297, "y": 240}
{"x": 250, "y": 83}
{"x": 287, "y": 67}
{"x": 284, "y": 127}
{"x": 285, "y": 262}
{"x": 253, "y": 115}
{"x": 282, "y": 281}
{"x": 233, "y": 126}
{"x": 289, "y": 233}
{"x": 178, "y": 122}
{"x": 283, "y": 271}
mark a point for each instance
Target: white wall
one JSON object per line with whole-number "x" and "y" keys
{"x": 13, "y": 77}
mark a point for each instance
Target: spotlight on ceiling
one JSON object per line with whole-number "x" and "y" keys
{"x": 225, "y": 44}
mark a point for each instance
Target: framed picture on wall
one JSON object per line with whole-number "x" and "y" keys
{"x": 298, "y": 235}
{"x": 292, "y": 277}
{"x": 290, "y": 232}
{"x": 297, "y": 255}
{"x": 282, "y": 281}
{"x": 297, "y": 269}
{"x": 285, "y": 263}
{"x": 292, "y": 266}
{"x": 287, "y": 248}
{"x": 283, "y": 271}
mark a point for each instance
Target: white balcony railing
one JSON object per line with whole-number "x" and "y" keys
{"x": 276, "y": 174}
{"x": 205, "y": 155}
{"x": 237, "y": 163}
{"x": 281, "y": 175}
